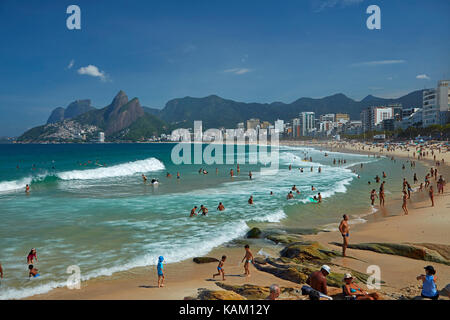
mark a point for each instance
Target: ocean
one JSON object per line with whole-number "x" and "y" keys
{"x": 88, "y": 205}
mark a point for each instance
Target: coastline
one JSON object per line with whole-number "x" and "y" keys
{"x": 185, "y": 278}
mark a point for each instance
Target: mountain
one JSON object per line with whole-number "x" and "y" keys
{"x": 73, "y": 110}
{"x": 152, "y": 111}
{"x": 123, "y": 119}
{"x": 216, "y": 112}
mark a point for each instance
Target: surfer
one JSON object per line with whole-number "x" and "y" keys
{"x": 220, "y": 207}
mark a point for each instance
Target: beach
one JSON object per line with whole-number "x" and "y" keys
{"x": 424, "y": 227}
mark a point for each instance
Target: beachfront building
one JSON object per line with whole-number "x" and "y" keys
{"x": 279, "y": 126}
{"x": 331, "y": 117}
{"x": 296, "y": 128}
{"x": 372, "y": 117}
{"x": 352, "y": 127}
{"x": 342, "y": 118}
{"x": 101, "y": 137}
{"x": 253, "y": 124}
{"x": 435, "y": 105}
{"x": 240, "y": 125}
{"x": 307, "y": 123}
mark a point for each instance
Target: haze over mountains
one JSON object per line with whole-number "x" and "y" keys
{"x": 126, "y": 119}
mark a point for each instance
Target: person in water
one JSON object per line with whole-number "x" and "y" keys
{"x": 33, "y": 272}
{"x": 248, "y": 257}
{"x": 160, "y": 271}
{"x": 290, "y": 195}
{"x": 204, "y": 210}
{"x": 352, "y": 289}
{"x": 220, "y": 207}
{"x": 1, "y": 271}
{"x": 144, "y": 178}
{"x": 319, "y": 197}
{"x": 220, "y": 270}
{"x": 250, "y": 200}
{"x": 168, "y": 175}
{"x": 231, "y": 173}
{"x": 373, "y": 195}
{"x": 178, "y": 175}
{"x": 32, "y": 256}
{"x": 312, "y": 188}
{"x": 193, "y": 212}
{"x": 250, "y": 175}
{"x": 344, "y": 228}
{"x": 27, "y": 188}
{"x": 429, "y": 289}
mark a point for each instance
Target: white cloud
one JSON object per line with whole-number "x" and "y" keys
{"x": 323, "y": 4}
{"x": 237, "y": 70}
{"x": 71, "y": 63}
{"x": 377, "y": 63}
{"x": 93, "y": 71}
{"x": 422, "y": 77}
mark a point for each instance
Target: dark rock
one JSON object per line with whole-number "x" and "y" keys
{"x": 205, "y": 260}
{"x": 254, "y": 233}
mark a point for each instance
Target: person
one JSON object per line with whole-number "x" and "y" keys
{"x": 290, "y": 195}
{"x": 220, "y": 270}
{"x": 428, "y": 279}
{"x": 421, "y": 186}
{"x": 220, "y": 207}
{"x": 155, "y": 181}
{"x": 205, "y": 172}
{"x": 27, "y": 188}
{"x": 415, "y": 178}
{"x": 373, "y": 195}
{"x": 193, "y": 211}
{"x": 168, "y": 175}
{"x": 352, "y": 289}
{"x": 344, "y": 229}
{"x": 231, "y": 173}
{"x": 159, "y": 268}
{"x": 441, "y": 183}
{"x": 294, "y": 188}
{"x": 33, "y": 271}
{"x": 250, "y": 175}
{"x": 405, "y": 197}
{"x": 178, "y": 175}
{"x": 377, "y": 179}
{"x": 319, "y": 197}
{"x": 274, "y": 292}
{"x": 203, "y": 209}
{"x": 318, "y": 279}
{"x": 248, "y": 257}
{"x": 250, "y": 200}
{"x": 31, "y": 256}
{"x": 1, "y": 271}
{"x": 384, "y": 175}
{"x": 431, "y": 194}
{"x": 408, "y": 187}
{"x": 238, "y": 169}
{"x": 144, "y": 178}
{"x": 271, "y": 193}
{"x": 312, "y": 188}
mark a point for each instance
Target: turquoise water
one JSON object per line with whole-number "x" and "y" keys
{"x": 89, "y": 207}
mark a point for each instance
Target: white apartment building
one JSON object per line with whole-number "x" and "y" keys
{"x": 435, "y": 104}
{"x": 279, "y": 126}
{"x": 373, "y": 116}
{"x": 307, "y": 123}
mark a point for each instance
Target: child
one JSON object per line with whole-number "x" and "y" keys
{"x": 160, "y": 272}
{"x": 248, "y": 259}
{"x": 220, "y": 269}
{"x": 429, "y": 289}
{"x": 33, "y": 271}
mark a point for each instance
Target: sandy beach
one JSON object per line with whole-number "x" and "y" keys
{"x": 425, "y": 227}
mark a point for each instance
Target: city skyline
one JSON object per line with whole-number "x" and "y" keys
{"x": 239, "y": 51}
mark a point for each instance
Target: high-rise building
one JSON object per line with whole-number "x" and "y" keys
{"x": 328, "y": 117}
{"x": 279, "y": 126}
{"x": 307, "y": 123}
{"x": 371, "y": 117}
{"x": 296, "y": 128}
{"x": 101, "y": 137}
{"x": 436, "y": 106}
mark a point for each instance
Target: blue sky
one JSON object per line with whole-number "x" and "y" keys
{"x": 244, "y": 50}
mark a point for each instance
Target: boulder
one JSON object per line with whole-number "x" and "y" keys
{"x": 254, "y": 233}
{"x": 284, "y": 238}
{"x": 308, "y": 251}
{"x": 205, "y": 260}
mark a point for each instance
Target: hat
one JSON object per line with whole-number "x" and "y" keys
{"x": 430, "y": 269}
{"x": 326, "y": 268}
{"x": 348, "y": 276}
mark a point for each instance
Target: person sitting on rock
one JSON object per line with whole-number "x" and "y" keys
{"x": 352, "y": 289}
{"x": 318, "y": 279}
{"x": 274, "y": 292}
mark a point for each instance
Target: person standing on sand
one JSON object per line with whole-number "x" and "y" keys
{"x": 405, "y": 197}
{"x": 441, "y": 183}
{"x": 431, "y": 194}
{"x": 373, "y": 194}
{"x": 344, "y": 229}
{"x": 248, "y": 257}
{"x": 318, "y": 279}
{"x": 159, "y": 268}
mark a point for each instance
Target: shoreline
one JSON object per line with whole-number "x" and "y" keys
{"x": 130, "y": 284}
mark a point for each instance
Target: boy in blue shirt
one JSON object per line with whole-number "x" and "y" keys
{"x": 160, "y": 272}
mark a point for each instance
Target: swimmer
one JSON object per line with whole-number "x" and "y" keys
{"x": 250, "y": 175}
{"x": 312, "y": 188}
{"x": 250, "y": 200}
{"x": 220, "y": 207}
{"x": 290, "y": 195}
{"x": 373, "y": 195}
{"x": 33, "y": 271}
{"x": 204, "y": 210}
{"x": 144, "y": 178}
{"x": 231, "y": 173}
{"x": 193, "y": 212}
{"x": 178, "y": 175}
{"x": 168, "y": 175}
{"x": 27, "y": 188}
{"x": 319, "y": 196}
{"x": 248, "y": 257}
